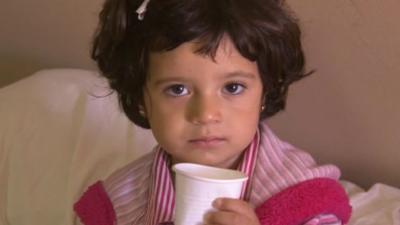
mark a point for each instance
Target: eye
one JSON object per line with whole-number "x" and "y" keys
{"x": 177, "y": 90}
{"x": 235, "y": 88}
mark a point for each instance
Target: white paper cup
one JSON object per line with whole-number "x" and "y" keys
{"x": 197, "y": 186}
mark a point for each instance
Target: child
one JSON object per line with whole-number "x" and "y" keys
{"x": 203, "y": 75}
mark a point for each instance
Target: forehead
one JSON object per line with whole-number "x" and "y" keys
{"x": 184, "y": 61}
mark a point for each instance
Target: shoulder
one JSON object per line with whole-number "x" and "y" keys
{"x": 289, "y": 184}
{"x": 281, "y": 165}
{"x": 289, "y": 160}
{"x": 102, "y": 202}
{"x": 131, "y": 173}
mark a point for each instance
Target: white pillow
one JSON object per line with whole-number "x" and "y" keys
{"x": 56, "y": 138}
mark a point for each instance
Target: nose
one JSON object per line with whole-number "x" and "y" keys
{"x": 204, "y": 110}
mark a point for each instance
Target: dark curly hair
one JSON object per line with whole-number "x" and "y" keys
{"x": 264, "y": 31}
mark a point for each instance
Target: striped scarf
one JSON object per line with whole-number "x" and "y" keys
{"x": 142, "y": 192}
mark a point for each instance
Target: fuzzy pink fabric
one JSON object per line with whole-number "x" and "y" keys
{"x": 293, "y": 206}
{"x": 303, "y": 201}
{"x": 95, "y": 208}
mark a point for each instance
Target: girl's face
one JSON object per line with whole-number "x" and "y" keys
{"x": 200, "y": 110}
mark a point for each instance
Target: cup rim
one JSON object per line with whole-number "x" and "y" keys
{"x": 177, "y": 170}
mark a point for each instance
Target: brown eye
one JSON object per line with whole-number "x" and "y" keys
{"x": 177, "y": 90}
{"x": 234, "y": 88}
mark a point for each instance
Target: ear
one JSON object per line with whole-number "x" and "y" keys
{"x": 262, "y": 103}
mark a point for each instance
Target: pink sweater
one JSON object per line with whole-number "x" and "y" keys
{"x": 285, "y": 186}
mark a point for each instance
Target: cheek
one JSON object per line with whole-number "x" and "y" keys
{"x": 247, "y": 115}
{"x": 248, "y": 107}
{"x": 156, "y": 108}
{"x": 167, "y": 113}
{"x": 166, "y": 120}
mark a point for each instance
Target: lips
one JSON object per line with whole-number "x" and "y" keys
{"x": 207, "y": 141}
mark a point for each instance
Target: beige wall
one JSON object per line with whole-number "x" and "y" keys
{"x": 346, "y": 113}
{"x": 44, "y": 33}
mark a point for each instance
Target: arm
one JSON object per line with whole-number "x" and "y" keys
{"x": 94, "y": 207}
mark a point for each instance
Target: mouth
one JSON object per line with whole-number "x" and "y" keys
{"x": 207, "y": 142}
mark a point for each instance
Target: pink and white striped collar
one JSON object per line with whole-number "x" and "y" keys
{"x": 161, "y": 204}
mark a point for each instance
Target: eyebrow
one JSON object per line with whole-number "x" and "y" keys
{"x": 240, "y": 73}
{"x": 168, "y": 79}
{"x": 230, "y": 75}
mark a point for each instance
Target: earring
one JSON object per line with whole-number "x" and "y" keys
{"x": 262, "y": 108}
{"x": 141, "y": 111}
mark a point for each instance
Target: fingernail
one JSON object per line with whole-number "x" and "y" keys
{"x": 216, "y": 203}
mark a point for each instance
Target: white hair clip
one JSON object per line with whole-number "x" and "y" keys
{"x": 142, "y": 9}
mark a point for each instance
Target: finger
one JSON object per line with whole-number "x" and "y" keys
{"x": 233, "y": 205}
{"x": 225, "y": 218}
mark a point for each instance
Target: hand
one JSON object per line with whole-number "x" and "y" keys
{"x": 231, "y": 212}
